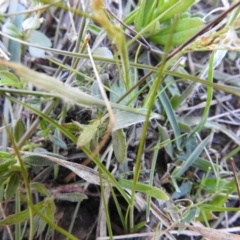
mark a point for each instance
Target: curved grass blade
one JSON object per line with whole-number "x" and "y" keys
{"x": 19, "y": 217}
{"x": 170, "y": 116}
{"x": 62, "y": 90}
{"x": 195, "y": 154}
{"x": 144, "y": 188}
{"x": 192, "y": 121}
{"x": 209, "y": 97}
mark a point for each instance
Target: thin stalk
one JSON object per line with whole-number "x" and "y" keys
{"x": 26, "y": 184}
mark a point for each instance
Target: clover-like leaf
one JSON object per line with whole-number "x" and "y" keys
{"x": 31, "y": 23}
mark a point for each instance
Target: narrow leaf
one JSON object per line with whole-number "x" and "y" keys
{"x": 19, "y": 217}
{"x": 12, "y": 186}
{"x": 57, "y": 141}
{"x": 144, "y": 188}
{"x": 195, "y": 154}
{"x": 71, "y": 197}
{"x": 170, "y": 116}
{"x": 19, "y": 130}
{"x": 11, "y": 29}
{"x": 39, "y": 161}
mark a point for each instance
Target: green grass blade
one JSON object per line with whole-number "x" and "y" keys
{"x": 209, "y": 98}
{"x": 195, "y": 154}
{"x": 170, "y": 116}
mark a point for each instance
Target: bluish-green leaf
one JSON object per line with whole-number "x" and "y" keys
{"x": 57, "y": 141}
{"x": 188, "y": 163}
{"x": 170, "y": 116}
{"x": 11, "y": 30}
{"x": 31, "y": 23}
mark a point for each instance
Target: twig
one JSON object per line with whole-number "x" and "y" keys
{"x": 235, "y": 176}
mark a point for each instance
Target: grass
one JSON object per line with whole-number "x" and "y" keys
{"x": 89, "y": 122}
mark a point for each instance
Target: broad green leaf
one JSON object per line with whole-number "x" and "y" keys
{"x": 19, "y": 217}
{"x": 37, "y": 161}
{"x": 19, "y": 130}
{"x": 5, "y": 163}
{"x": 43, "y": 124}
{"x": 119, "y": 145}
{"x": 5, "y": 155}
{"x": 31, "y": 23}
{"x": 12, "y": 186}
{"x": 11, "y": 30}
{"x": 192, "y": 158}
{"x": 185, "y": 28}
{"x": 9, "y": 79}
{"x": 88, "y": 133}
{"x": 144, "y": 188}
{"x": 228, "y": 188}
